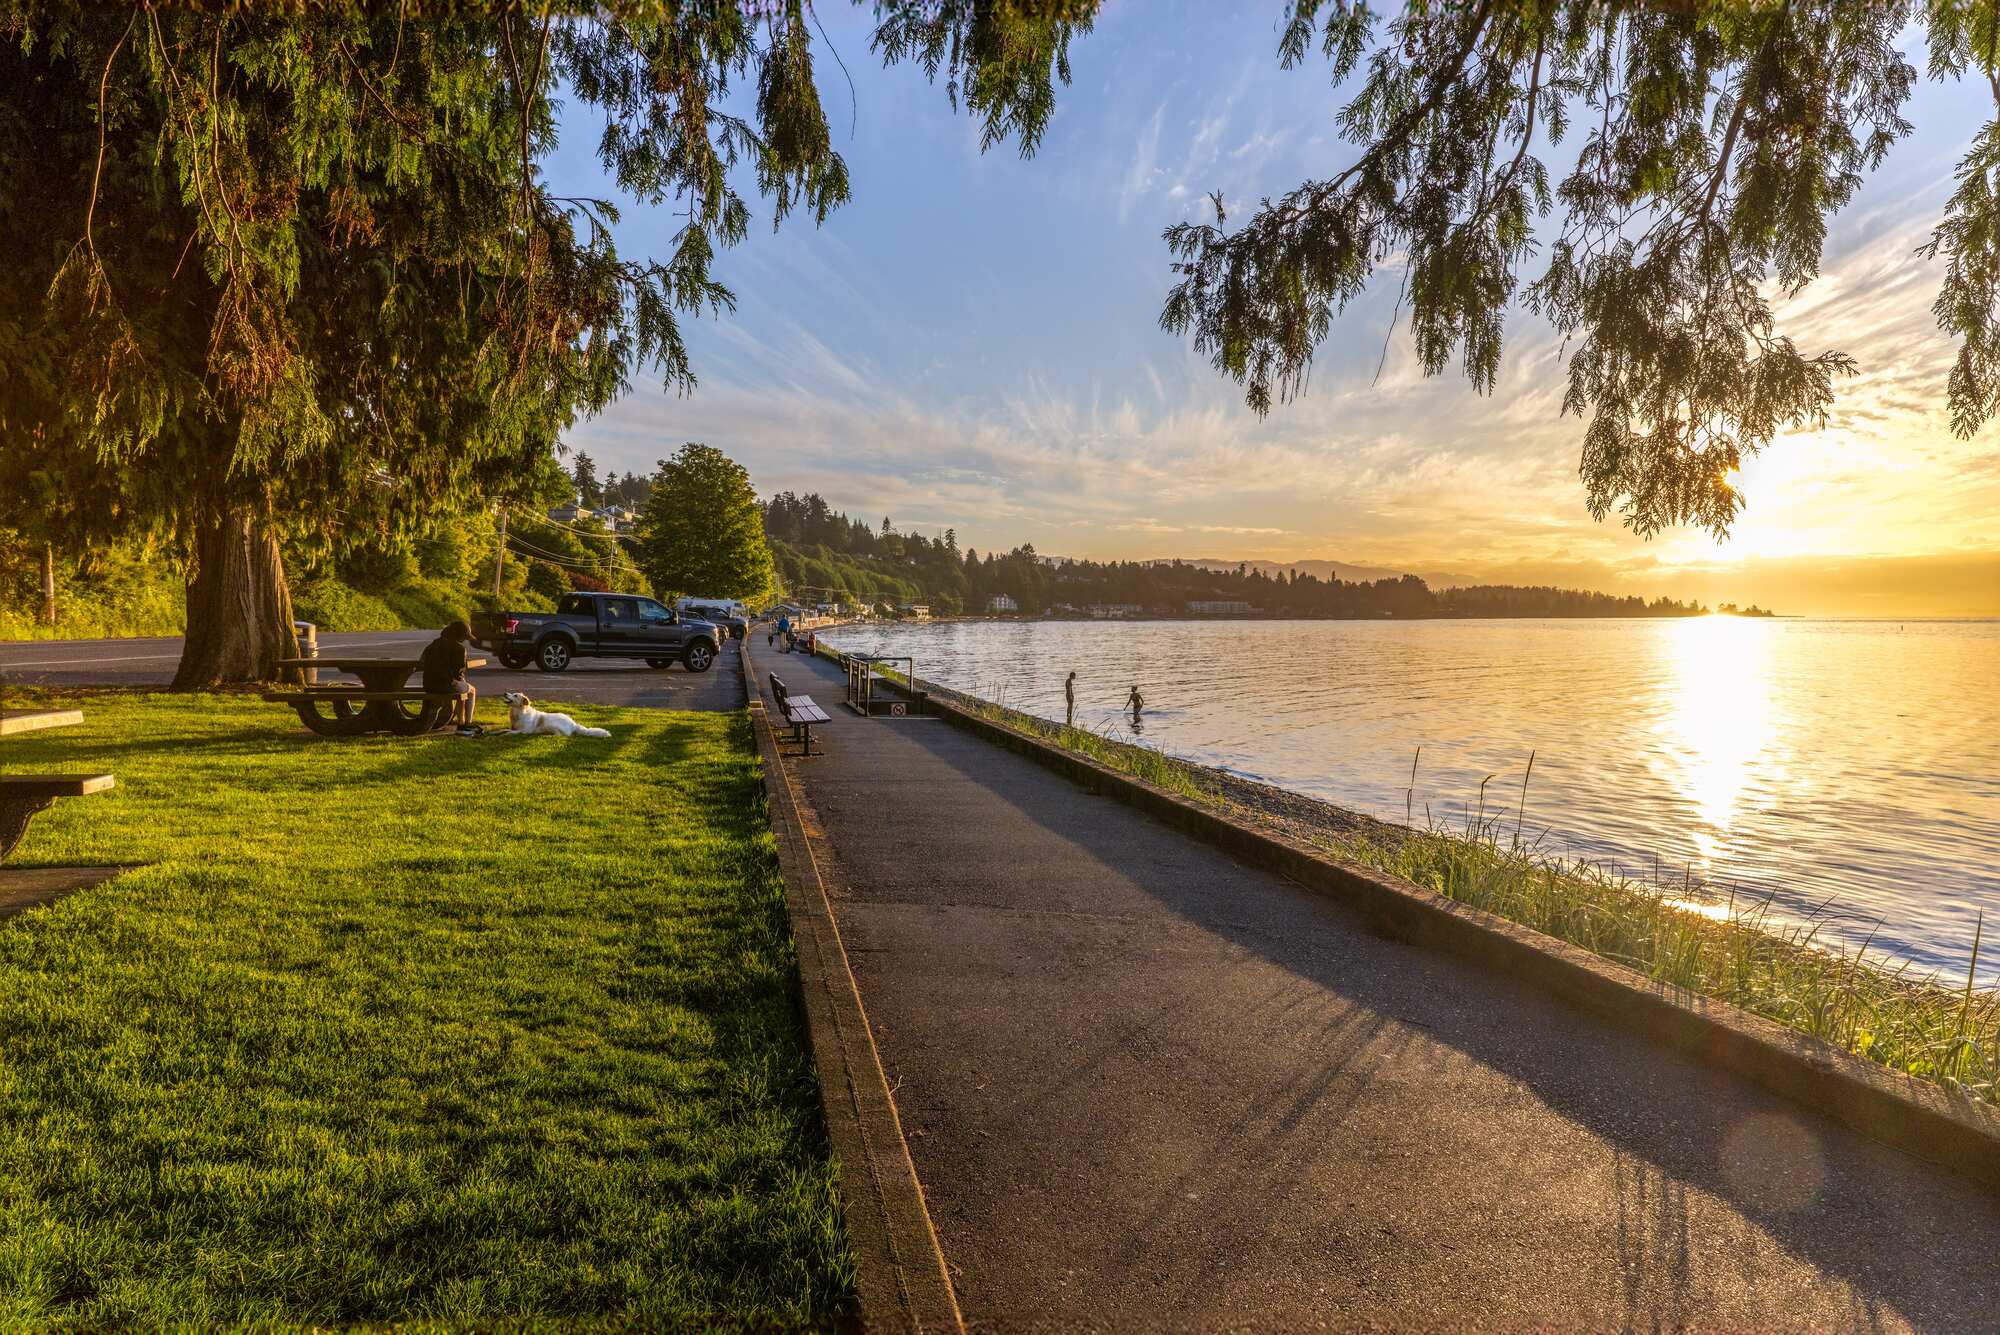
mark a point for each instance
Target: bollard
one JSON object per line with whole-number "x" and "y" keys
{"x": 308, "y": 635}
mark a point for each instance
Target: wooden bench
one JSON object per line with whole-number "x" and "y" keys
{"x": 24, "y": 796}
{"x": 800, "y": 712}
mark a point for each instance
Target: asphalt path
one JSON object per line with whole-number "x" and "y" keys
{"x": 609, "y": 681}
{"x": 1149, "y": 1087}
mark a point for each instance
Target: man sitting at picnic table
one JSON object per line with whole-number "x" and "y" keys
{"x": 444, "y": 671}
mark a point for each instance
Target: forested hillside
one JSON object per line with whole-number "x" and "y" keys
{"x": 369, "y": 580}
{"x": 824, "y": 555}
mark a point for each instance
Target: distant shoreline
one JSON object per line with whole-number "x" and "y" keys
{"x": 1237, "y": 618}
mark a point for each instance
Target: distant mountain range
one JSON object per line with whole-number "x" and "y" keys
{"x": 1352, "y": 574}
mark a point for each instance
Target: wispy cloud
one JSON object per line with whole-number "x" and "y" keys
{"x": 973, "y": 344}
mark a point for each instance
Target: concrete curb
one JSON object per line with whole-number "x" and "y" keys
{"x": 1912, "y": 1115}
{"x": 900, "y": 1269}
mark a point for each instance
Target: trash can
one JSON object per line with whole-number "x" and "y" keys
{"x": 308, "y": 635}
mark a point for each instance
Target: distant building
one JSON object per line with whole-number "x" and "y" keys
{"x": 915, "y": 611}
{"x": 568, "y": 514}
{"x": 1000, "y": 602}
{"x": 1115, "y": 611}
{"x": 1219, "y": 607}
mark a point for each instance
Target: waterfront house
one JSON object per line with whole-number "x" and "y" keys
{"x": 1220, "y": 607}
{"x": 914, "y": 611}
{"x": 1115, "y": 611}
{"x": 1000, "y": 602}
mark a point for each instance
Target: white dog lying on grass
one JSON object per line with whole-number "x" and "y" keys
{"x": 523, "y": 717}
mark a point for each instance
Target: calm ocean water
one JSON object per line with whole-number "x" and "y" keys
{"x": 1851, "y": 761}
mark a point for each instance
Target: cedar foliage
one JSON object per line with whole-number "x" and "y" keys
{"x": 1716, "y": 141}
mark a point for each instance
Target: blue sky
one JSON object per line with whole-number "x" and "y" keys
{"x": 973, "y": 342}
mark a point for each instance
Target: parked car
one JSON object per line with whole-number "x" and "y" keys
{"x": 599, "y": 625}
{"x": 735, "y": 624}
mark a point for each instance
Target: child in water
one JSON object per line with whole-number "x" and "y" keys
{"x": 1135, "y": 702}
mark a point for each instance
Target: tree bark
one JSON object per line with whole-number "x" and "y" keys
{"x": 48, "y": 584}
{"x": 239, "y": 608}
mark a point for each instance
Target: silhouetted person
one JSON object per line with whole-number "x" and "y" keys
{"x": 1136, "y": 703}
{"x": 1069, "y": 701}
{"x": 444, "y": 671}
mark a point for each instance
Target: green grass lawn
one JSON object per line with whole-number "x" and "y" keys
{"x": 442, "y": 1031}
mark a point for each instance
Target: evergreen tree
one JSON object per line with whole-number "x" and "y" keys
{"x": 702, "y": 532}
{"x": 284, "y": 270}
{"x": 583, "y": 475}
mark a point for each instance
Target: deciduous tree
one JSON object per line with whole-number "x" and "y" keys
{"x": 702, "y": 532}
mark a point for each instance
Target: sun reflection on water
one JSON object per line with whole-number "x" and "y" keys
{"x": 1718, "y": 721}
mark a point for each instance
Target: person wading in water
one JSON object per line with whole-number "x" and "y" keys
{"x": 1069, "y": 700}
{"x": 1135, "y": 702}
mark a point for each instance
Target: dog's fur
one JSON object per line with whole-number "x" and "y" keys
{"x": 523, "y": 717}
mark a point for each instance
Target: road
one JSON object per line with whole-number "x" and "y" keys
{"x": 612, "y": 681}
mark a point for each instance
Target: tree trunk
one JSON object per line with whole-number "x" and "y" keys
{"x": 239, "y": 608}
{"x": 48, "y": 584}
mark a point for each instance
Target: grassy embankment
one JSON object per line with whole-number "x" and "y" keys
{"x": 1929, "y": 1026}
{"x": 448, "y": 1032}
{"x": 154, "y": 602}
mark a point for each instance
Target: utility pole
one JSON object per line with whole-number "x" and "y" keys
{"x": 48, "y": 584}
{"x": 500, "y": 556}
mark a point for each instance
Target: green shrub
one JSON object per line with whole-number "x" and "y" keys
{"x": 331, "y": 605}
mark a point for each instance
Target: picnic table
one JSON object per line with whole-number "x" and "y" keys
{"x": 383, "y": 702}
{"x": 24, "y": 796}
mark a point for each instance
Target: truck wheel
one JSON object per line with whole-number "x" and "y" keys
{"x": 700, "y": 656}
{"x": 553, "y": 654}
{"x": 659, "y": 662}
{"x": 510, "y": 659}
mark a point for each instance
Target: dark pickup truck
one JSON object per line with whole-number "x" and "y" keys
{"x": 598, "y": 625}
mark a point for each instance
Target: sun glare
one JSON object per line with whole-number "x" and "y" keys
{"x": 1719, "y": 720}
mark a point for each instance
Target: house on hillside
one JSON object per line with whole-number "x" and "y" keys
{"x": 569, "y": 514}
{"x": 1000, "y": 602}
{"x": 1220, "y": 607}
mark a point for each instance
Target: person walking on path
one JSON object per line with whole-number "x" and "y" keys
{"x": 785, "y": 631}
{"x": 1069, "y": 701}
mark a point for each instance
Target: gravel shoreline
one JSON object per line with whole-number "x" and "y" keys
{"x": 1307, "y": 818}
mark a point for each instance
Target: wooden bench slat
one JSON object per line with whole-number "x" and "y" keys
{"x": 348, "y": 693}
{"x": 339, "y": 664}
{"x": 11, "y": 724}
{"x": 54, "y": 785}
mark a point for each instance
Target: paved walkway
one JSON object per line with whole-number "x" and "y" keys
{"x": 1146, "y": 1086}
